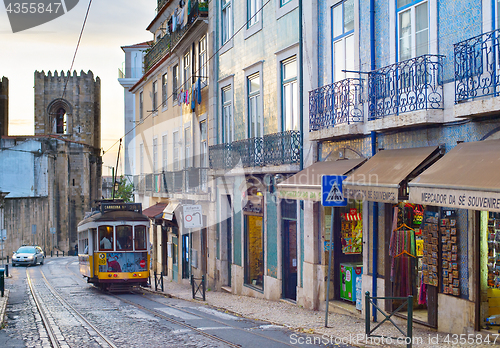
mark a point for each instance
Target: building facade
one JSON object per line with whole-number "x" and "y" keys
{"x": 60, "y": 164}
{"x": 257, "y": 139}
{"x": 128, "y": 76}
{"x": 171, "y": 138}
{"x": 401, "y": 87}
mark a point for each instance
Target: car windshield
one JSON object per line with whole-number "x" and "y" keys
{"x": 26, "y": 250}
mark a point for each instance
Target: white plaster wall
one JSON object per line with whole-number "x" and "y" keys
{"x": 455, "y": 315}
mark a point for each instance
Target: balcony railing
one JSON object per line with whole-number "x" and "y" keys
{"x": 272, "y": 149}
{"x": 161, "y": 3}
{"x": 411, "y": 85}
{"x": 167, "y": 42}
{"x": 338, "y": 103}
{"x": 477, "y": 67}
{"x": 139, "y": 184}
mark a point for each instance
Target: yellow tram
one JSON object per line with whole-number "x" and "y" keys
{"x": 113, "y": 246}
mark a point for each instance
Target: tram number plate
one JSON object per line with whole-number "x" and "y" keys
{"x": 102, "y": 259}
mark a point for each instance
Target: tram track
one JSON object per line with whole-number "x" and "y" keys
{"x": 51, "y": 327}
{"x": 181, "y": 323}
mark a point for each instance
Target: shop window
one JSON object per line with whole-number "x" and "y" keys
{"x": 254, "y": 238}
{"x": 124, "y": 238}
{"x": 140, "y": 238}
{"x": 105, "y": 238}
{"x": 351, "y": 230}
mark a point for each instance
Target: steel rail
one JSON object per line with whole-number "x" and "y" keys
{"x": 62, "y": 300}
{"x": 180, "y": 323}
{"x": 54, "y": 342}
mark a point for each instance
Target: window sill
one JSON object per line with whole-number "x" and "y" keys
{"x": 285, "y": 9}
{"x": 253, "y": 287}
{"x": 253, "y": 29}
{"x": 226, "y": 47}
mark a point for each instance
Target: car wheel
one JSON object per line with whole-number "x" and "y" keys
{"x": 14, "y": 265}
{"x": 41, "y": 262}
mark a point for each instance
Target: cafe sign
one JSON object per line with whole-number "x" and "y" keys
{"x": 461, "y": 199}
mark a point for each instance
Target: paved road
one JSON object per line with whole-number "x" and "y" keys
{"x": 126, "y": 319}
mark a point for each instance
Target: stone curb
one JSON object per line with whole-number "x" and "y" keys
{"x": 3, "y": 307}
{"x": 296, "y": 329}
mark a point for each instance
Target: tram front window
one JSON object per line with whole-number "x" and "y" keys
{"x": 124, "y": 237}
{"x": 105, "y": 238}
{"x": 140, "y": 238}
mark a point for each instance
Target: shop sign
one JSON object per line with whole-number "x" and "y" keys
{"x": 461, "y": 199}
{"x": 300, "y": 194}
{"x": 372, "y": 193}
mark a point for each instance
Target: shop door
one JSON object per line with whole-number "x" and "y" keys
{"x": 185, "y": 256}
{"x": 164, "y": 256}
{"x": 175, "y": 258}
{"x": 227, "y": 233}
{"x": 289, "y": 228}
{"x": 204, "y": 250}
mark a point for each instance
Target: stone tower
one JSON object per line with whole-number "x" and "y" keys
{"x": 68, "y": 115}
{"x": 4, "y": 106}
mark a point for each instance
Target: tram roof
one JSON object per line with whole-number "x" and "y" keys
{"x": 117, "y": 215}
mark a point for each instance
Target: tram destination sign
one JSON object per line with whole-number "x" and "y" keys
{"x": 461, "y": 199}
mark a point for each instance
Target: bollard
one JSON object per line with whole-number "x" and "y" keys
{"x": 2, "y": 280}
{"x": 63, "y": 253}
{"x": 7, "y": 258}
{"x": 57, "y": 253}
{"x": 7, "y": 270}
{"x": 51, "y": 253}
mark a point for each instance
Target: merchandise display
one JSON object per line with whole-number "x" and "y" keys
{"x": 494, "y": 251}
{"x": 450, "y": 265}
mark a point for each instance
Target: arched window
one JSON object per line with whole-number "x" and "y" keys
{"x": 61, "y": 121}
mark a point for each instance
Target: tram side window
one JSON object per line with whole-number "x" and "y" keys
{"x": 105, "y": 238}
{"x": 124, "y": 237}
{"x": 140, "y": 238}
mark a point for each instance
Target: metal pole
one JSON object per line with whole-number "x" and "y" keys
{"x": 367, "y": 313}
{"x": 409, "y": 322}
{"x": 329, "y": 270}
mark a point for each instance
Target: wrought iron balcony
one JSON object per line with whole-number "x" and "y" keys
{"x": 338, "y": 103}
{"x": 477, "y": 69}
{"x": 272, "y": 149}
{"x": 168, "y": 41}
{"x": 139, "y": 184}
{"x": 190, "y": 180}
{"x": 410, "y": 85}
{"x": 161, "y": 3}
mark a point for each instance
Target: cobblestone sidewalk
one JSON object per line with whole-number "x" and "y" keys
{"x": 342, "y": 328}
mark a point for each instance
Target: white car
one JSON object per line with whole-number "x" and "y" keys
{"x": 28, "y": 255}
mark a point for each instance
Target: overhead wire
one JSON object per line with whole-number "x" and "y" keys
{"x": 76, "y": 50}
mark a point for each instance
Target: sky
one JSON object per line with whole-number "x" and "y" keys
{"x": 51, "y": 46}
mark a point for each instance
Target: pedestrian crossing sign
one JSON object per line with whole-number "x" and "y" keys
{"x": 331, "y": 191}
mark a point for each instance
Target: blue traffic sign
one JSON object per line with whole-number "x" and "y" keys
{"x": 331, "y": 191}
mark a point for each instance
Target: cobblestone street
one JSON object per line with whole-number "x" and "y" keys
{"x": 125, "y": 319}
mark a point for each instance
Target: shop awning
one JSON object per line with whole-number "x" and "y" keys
{"x": 306, "y": 184}
{"x": 154, "y": 211}
{"x": 380, "y": 178}
{"x": 467, "y": 177}
{"x": 168, "y": 212}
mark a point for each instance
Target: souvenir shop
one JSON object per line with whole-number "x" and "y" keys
{"x": 347, "y": 266}
{"x": 424, "y": 255}
{"x": 464, "y": 183}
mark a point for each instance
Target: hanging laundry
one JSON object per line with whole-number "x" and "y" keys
{"x": 198, "y": 92}
{"x": 193, "y": 97}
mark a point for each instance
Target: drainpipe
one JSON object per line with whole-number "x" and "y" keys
{"x": 375, "y": 237}
{"x": 301, "y": 88}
